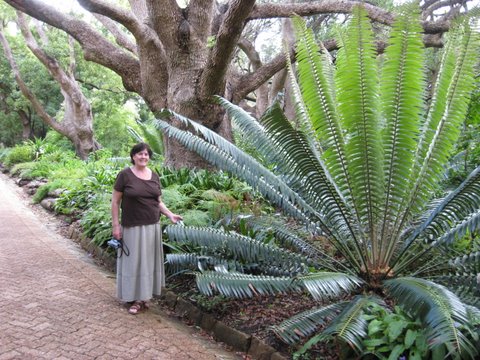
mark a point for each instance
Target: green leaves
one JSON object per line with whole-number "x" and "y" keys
{"x": 391, "y": 334}
{"x": 437, "y": 307}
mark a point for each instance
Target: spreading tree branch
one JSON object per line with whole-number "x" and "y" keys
{"x": 96, "y": 48}
{"x": 212, "y": 79}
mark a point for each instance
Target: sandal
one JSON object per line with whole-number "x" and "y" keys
{"x": 137, "y": 307}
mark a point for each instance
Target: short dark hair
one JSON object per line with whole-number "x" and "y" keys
{"x": 140, "y": 147}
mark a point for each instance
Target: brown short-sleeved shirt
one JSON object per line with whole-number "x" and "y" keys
{"x": 140, "y": 204}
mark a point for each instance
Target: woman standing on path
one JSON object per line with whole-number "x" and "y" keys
{"x": 140, "y": 275}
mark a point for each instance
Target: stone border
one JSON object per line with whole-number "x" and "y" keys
{"x": 239, "y": 341}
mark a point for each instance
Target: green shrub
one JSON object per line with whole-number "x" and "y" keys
{"x": 19, "y": 154}
{"x": 174, "y": 199}
{"x": 43, "y": 190}
{"x": 23, "y": 170}
{"x": 196, "y": 218}
{"x": 393, "y": 334}
{"x": 96, "y": 220}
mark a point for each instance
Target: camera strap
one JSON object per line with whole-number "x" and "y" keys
{"x": 123, "y": 249}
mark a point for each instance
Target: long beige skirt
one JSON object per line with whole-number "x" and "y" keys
{"x": 141, "y": 274}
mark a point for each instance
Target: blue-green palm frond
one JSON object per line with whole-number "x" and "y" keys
{"x": 289, "y": 149}
{"x": 324, "y": 285}
{"x": 241, "y": 247}
{"x": 350, "y": 326}
{"x": 192, "y": 261}
{"x": 438, "y": 308}
{"x": 461, "y": 206}
{"x": 306, "y": 323}
{"x": 285, "y": 238}
{"x": 358, "y": 108}
{"x": 469, "y": 263}
{"x": 449, "y": 105}
{"x": 401, "y": 98}
{"x": 463, "y": 278}
{"x": 239, "y": 285}
{"x": 469, "y": 225}
{"x": 249, "y": 126}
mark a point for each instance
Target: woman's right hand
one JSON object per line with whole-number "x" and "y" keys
{"x": 117, "y": 232}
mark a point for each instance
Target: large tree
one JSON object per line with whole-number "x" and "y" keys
{"x": 177, "y": 58}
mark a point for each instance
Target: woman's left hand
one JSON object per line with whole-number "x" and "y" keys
{"x": 174, "y": 218}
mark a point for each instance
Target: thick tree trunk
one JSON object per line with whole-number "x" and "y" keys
{"x": 183, "y": 98}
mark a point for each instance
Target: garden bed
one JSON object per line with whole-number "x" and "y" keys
{"x": 253, "y": 316}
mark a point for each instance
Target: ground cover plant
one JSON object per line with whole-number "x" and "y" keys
{"x": 359, "y": 165}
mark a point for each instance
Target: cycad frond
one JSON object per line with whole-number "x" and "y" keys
{"x": 470, "y": 224}
{"x": 451, "y": 218}
{"x": 449, "y": 105}
{"x": 191, "y": 261}
{"x": 249, "y": 126}
{"x": 465, "y": 286}
{"x": 323, "y": 285}
{"x": 460, "y": 204}
{"x": 440, "y": 309}
{"x": 240, "y": 247}
{"x": 307, "y": 322}
{"x": 401, "y": 97}
{"x": 287, "y": 239}
{"x": 350, "y": 326}
{"x": 469, "y": 263}
{"x": 318, "y": 94}
{"x": 358, "y": 108}
{"x": 242, "y": 285}
{"x": 301, "y": 112}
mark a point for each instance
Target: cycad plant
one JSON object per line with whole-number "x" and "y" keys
{"x": 359, "y": 164}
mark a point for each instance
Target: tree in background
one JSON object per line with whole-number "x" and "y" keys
{"x": 18, "y": 119}
{"x": 178, "y": 57}
{"x": 77, "y": 121}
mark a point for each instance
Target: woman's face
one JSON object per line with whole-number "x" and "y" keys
{"x": 141, "y": 158}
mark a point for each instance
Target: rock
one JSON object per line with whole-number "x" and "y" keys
{"x": 22, "y": 182}
{"x": 48, "y": 203}
{"x": 56, "y": 193}
{"x": 35, "y": 184}
{"x": 232, "y": 337}
{"x": 185, "y": 309}
{"x": 260, "y": 351}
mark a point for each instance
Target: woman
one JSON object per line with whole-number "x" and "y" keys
{"x": 137, "y": 190}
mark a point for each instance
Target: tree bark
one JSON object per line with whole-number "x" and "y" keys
{"x": 27, "y": 131}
